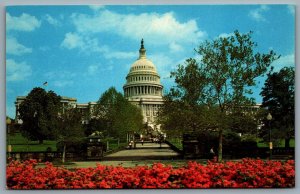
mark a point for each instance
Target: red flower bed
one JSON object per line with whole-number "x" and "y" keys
{"x": 247, "y": 173}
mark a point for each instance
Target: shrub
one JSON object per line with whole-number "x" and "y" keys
{"x": 247, "y": 173}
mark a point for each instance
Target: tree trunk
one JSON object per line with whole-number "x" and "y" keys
{"x": 64, "y": 153}
{"x": 41, "y": 141}
{"x": 287, "y": 142}
{"x": 220, "y": 149}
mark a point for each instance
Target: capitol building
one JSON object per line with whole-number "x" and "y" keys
{"x": 142, "y": 88}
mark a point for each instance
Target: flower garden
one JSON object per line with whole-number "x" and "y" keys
{"x": 247, "y": 173}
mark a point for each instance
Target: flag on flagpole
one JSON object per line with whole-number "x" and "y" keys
{"x": 45, "y": 83}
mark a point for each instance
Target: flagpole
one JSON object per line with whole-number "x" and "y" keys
{"x": 44, "y": 85}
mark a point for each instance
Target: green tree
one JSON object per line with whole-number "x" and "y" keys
{"x": 279, "y": 99}
{"x": 180, "y": 117}
{"x": 39, "y": 113}
{"x": 69, "y": 129}
{"x": 116, "y": 115}
{"x": 221, "y": 81}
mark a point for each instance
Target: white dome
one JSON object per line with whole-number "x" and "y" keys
{"x": 142, "y": 65}
{"x": 143, "y": 87}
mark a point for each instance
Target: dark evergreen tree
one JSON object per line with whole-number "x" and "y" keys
{"x": 279, "y": 99}
{"x": 39, "y": 113}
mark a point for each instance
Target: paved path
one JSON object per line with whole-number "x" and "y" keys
{"x": 147, "y": 151}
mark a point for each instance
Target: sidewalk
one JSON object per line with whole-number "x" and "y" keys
{"x": 147, "y": 151}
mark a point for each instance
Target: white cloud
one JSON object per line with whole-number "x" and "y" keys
{"x": 63, "y": 83}
{"x": 174, "y": 47}
{"x": 52, "y": 75}
{"x": 291, "y": 9}
{"x": 92, "y": 69}
{"x": 84, "y": 43}
{"x": 225, "y": 35}
{"x": 258, "y": 14}
{"x": 156, "y": 28}
{"x": 284, "y": 61}
{"x": 119, "y": 54}
{"x": 96, "y": 68}
{"x": 87, "y": 44}
{"x": 17, "y": 71}
{"x": 52, "y": 20}
{"x": 96, "y": 7}
{"x": 25, "y": 22}
{"x": 44, "y": 48}
{"x": 72, "y": 40}
{"x": 163, "y": 64}
{"x": 13, "y": 47}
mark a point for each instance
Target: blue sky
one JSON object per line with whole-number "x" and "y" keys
{"x": 81, "y": 51}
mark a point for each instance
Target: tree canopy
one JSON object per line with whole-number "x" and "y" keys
{"x": 39, "y": 113}
{"x": 115, "y": 116}
{"x": 279, "y": 99}
{"x": 69, "y": 129}
{"x": 219, "y": 82}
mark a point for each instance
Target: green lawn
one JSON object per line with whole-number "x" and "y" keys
{"x": 280, "y": 144}
{"x": 21, "y": 144}
{"x": 114, "y": 144}
{"x": 176, "y": 142}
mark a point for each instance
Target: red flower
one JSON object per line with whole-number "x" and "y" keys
{"x": 247, "y": 173}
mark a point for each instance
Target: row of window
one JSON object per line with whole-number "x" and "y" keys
{"x": 142, "y": 90}
{"x": 142, "y": 67}
{"x": 142, "y": 78}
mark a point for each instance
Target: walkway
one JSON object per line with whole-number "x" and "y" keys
{"x": 148, "y": 151}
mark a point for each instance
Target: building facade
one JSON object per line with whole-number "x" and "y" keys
{"x": 143, "y": 87}
{"x": 86, "y": 109}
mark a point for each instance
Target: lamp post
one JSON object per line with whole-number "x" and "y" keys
{"x": 269, "y": 118}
